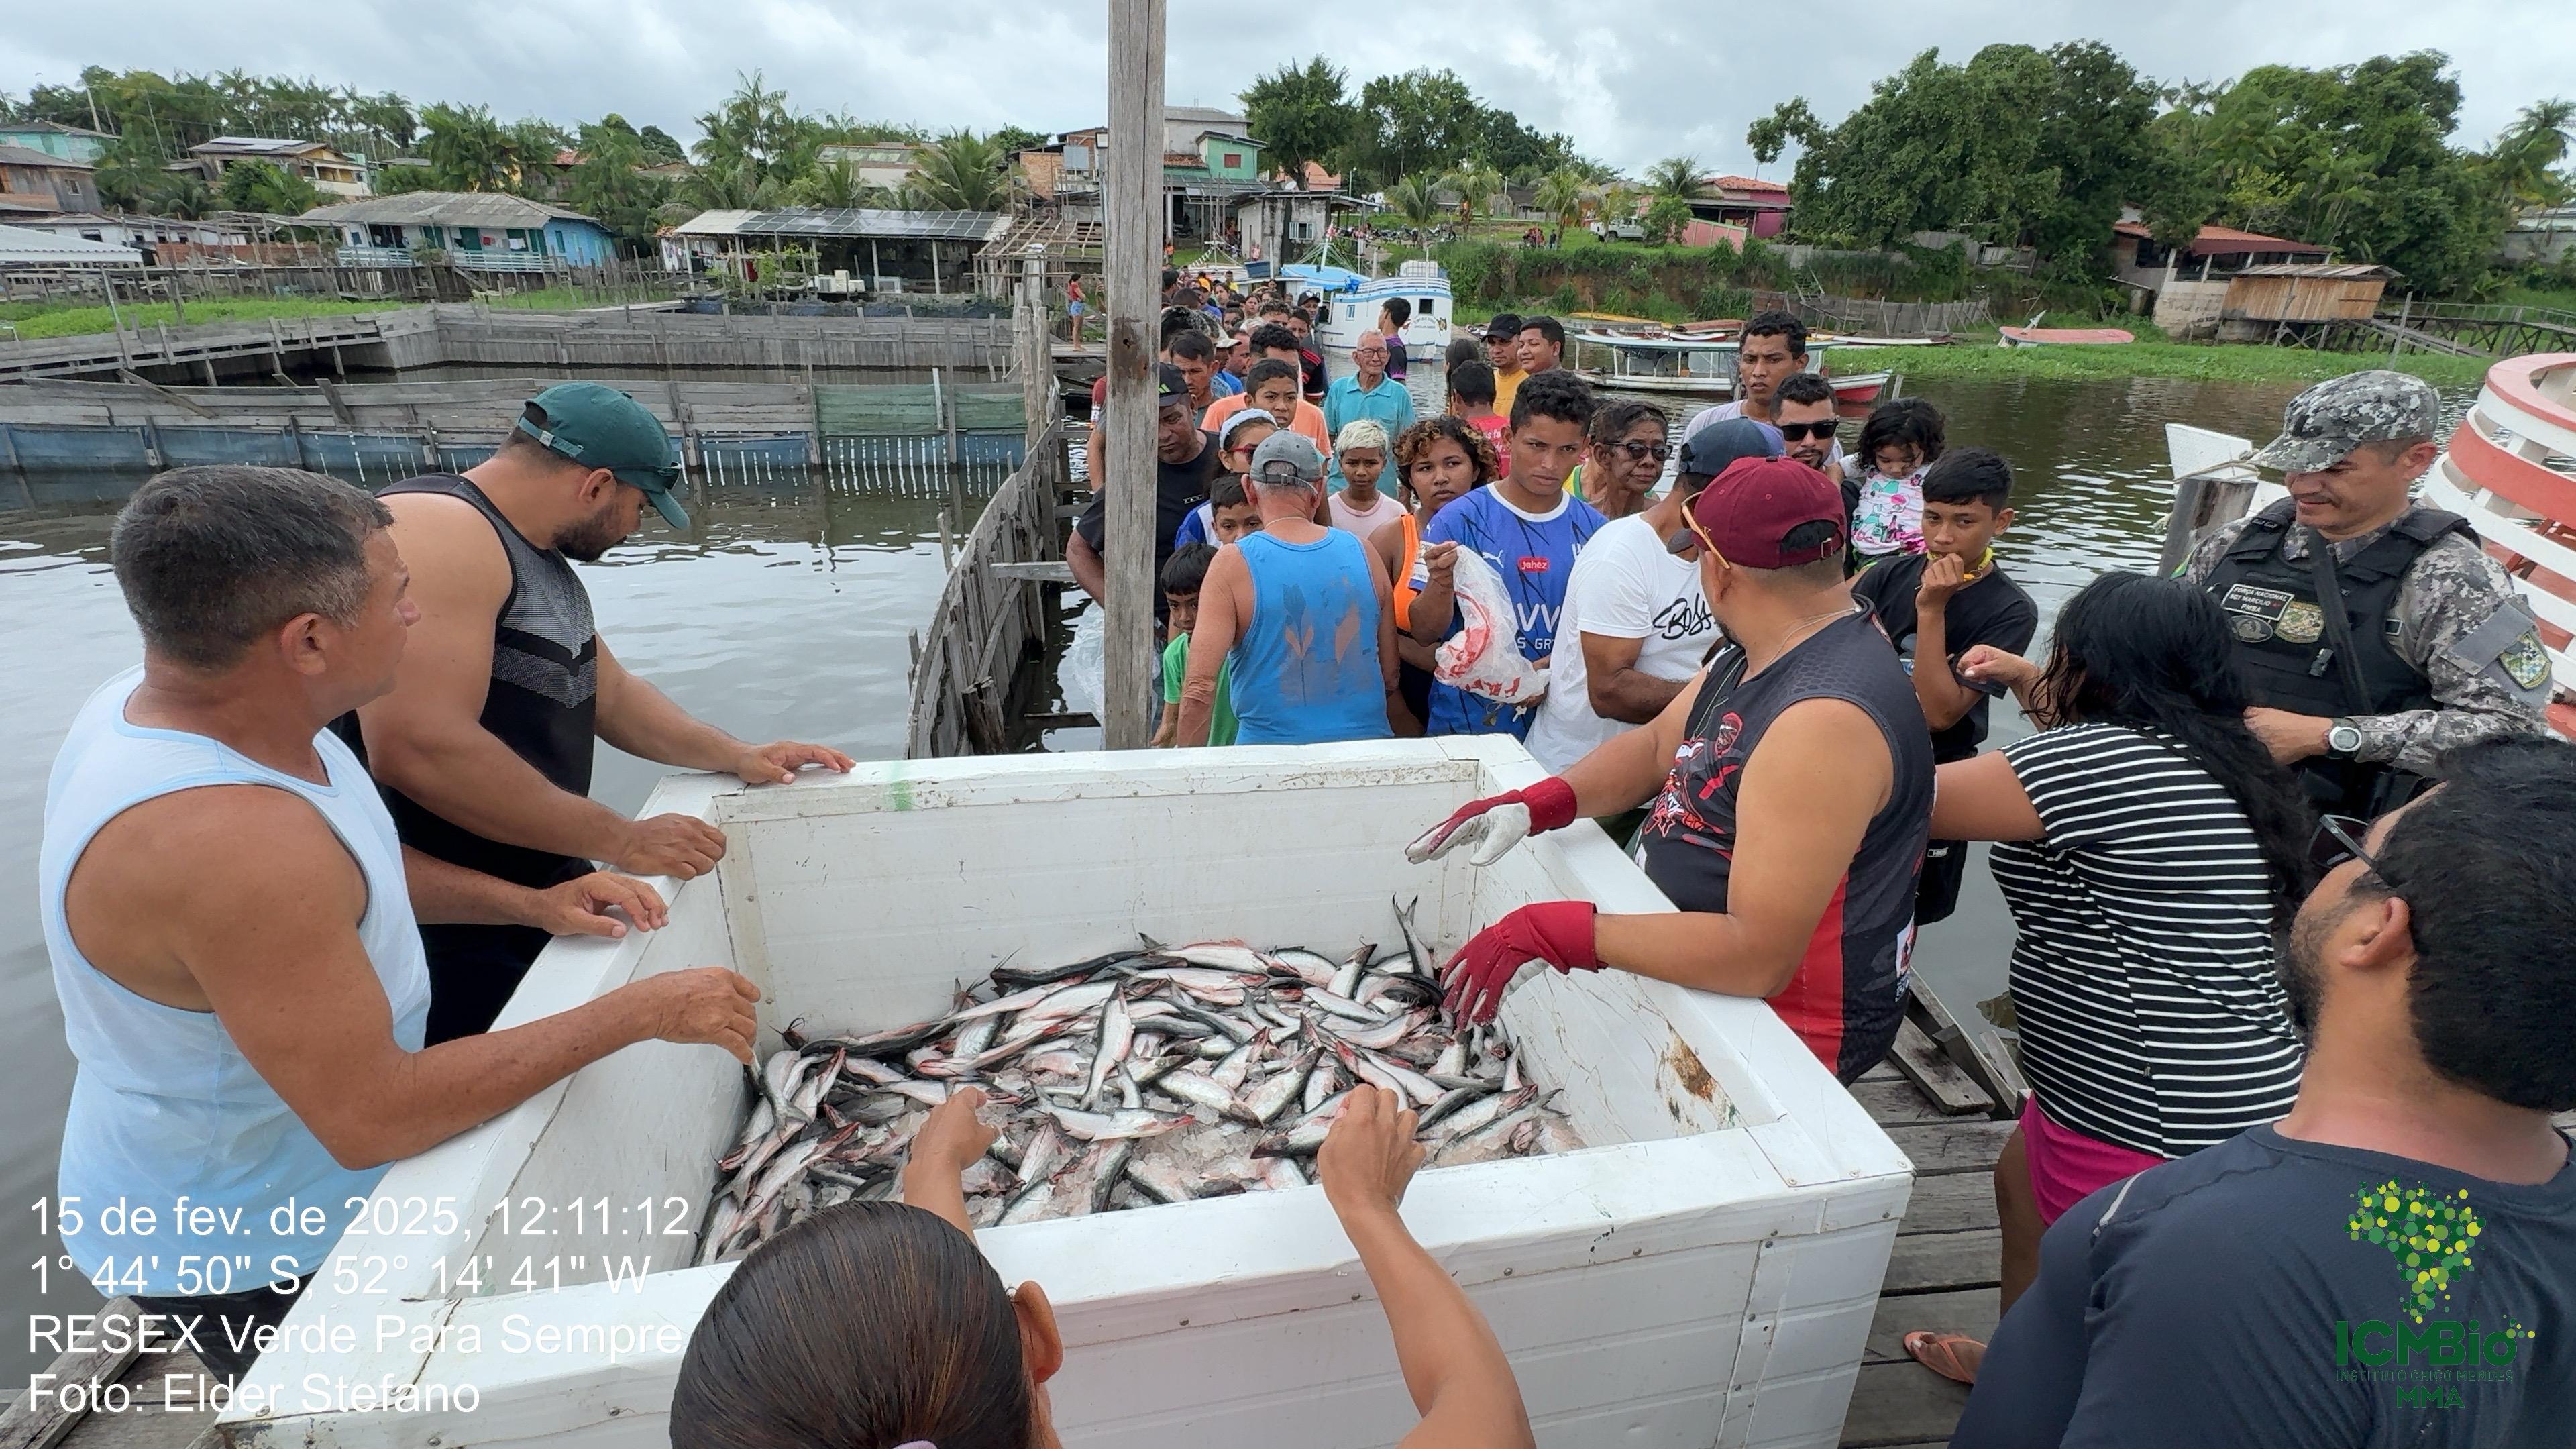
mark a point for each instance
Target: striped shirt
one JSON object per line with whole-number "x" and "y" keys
{"x": 2142, "y": 976}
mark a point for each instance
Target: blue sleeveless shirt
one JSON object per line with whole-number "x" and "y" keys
{"x": 1306, "y": 669}
{"x": 164, "y": 1106}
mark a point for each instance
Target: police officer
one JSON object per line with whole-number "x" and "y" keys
{"x": 2427, "y": 646}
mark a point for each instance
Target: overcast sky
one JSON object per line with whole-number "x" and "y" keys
{"x": 1630, "y": 81}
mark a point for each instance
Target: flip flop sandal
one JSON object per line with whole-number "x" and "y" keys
{"x": 1939, "y": 1352}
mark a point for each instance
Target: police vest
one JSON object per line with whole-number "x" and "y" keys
{"x": 2287, "y": 658}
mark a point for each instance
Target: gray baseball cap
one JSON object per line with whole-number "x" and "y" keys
{"x": 1288, "y": 458}
{"x": 2331, "y": 419}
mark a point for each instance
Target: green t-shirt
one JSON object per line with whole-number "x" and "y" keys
{"x": 1176, "y": 669}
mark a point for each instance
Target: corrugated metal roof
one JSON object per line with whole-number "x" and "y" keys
{"x": 866, "y": 221}
{"x": 443, "y": 208}
{"x": 259, "y": 145}
{"x": 2222, "y": 241}
{"x": 30, "y": 156}
{"x": 2336, "y": 271}
{"x": 714, "y": 223}
{"x": 20, "y": 246}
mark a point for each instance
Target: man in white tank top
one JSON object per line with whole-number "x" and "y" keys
{"x": 248, "y": 1021}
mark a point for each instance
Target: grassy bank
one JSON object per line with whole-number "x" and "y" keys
{"x": 49, "y": 319}
{"x": 2198, "y": 361}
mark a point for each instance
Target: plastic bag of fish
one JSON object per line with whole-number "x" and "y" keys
{"x": 1154, "y": 1075}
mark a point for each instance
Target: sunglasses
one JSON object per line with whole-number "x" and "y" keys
{"x": 1638, "y": 452}
{"x": 2338, "y": 839}
{"x": 1681, "y": 541}
{"x": 1796, "y": 432}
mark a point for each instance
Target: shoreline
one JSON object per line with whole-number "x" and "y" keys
{"x": 2193, "y": 361}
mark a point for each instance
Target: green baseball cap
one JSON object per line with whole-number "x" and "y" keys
{"x": 599, "y": 427}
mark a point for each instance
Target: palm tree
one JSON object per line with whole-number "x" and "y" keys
{"x": 961, "y": 171}
{"x": 1563, "y": 194}
{"x": 833, "y": 183}
{"x": 1416, "y": 203}
{"x": 1476, "y": 185}
{"x": 1676, "y": 176}
{"x": 185, "y": 197}
{"x": 2524, "y": 162}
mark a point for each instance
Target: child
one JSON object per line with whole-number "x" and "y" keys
{"x": 1242, "y": 434}
{"x": 1182, "y": 578}
{"x": 1900, "y": 440}
{"x": 1938, "y": 605}
{"x": 1361, "y": 507}
{"x": 1272, "y": 387}
{"x": 1471, "y": 396}
{"x": 1227, "y": 515}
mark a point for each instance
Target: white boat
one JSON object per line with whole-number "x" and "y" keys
{"x": 2509, "y": 468}
{"x": 1351, "y": 303}
{"x": 1710, "y": 1260}
{"x": 1661, "y": 360}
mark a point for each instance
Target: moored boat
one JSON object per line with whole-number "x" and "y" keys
{"x": 2064, "y": 336}
{"x": 1351, "y": 302}
{"x": 2509, "y": 468}
{"x": 1675, "y": 360}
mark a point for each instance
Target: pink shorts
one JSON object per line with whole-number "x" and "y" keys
{"x": 2067, "y": 1166}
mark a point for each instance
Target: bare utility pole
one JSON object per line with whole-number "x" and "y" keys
{"x": 1132, "y": 261}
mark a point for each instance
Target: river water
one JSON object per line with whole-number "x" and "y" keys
{"x": 785, "y": 616}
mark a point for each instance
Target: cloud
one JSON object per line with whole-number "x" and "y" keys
{"x": 1630, "y": 82}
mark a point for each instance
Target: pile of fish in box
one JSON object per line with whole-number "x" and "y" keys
{"x": 1155, "y": 1075}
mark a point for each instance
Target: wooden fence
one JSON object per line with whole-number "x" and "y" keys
{"x": 1871, "y": 316}
{"x": 992, "y": 613}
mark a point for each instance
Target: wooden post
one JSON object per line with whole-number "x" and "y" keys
{"x": 1037, "y": 351}
{"x": 1132, "y": 260}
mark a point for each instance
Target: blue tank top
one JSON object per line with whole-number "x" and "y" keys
{"x": 164, "y": 1106}
{"x": 1306, "y": 669}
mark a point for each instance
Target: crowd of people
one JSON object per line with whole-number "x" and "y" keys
{"x": 2291, "y": 859}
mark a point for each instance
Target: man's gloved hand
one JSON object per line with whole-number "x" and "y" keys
{"x": 1496, "y": 823}
{"x": 1556, "y": 932}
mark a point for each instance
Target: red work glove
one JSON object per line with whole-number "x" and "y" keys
{"x": 1495, "y": 824}
{"x": 1556, "y": 932}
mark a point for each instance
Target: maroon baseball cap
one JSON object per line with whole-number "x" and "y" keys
{"x": 1751, "y": 508}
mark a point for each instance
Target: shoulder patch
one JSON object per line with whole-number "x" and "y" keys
{"x": 2524, "y": 661}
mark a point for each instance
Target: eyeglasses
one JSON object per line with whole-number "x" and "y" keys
{"x": 1639, "y": 452}
{"x": 1795, "y": 432}
{"x": 1690, "y": 518}
{"x": 2338, "y": 839}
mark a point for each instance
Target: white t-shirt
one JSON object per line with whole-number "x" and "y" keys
{"x": 1626, "y": 585}
{"x": 1722, "y": 411}
{"x": 1364, "y": 523}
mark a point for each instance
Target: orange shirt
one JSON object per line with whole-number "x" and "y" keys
{"x": 1310, "y": 420}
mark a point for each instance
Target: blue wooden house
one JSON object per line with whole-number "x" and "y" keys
{"x": 476, "y": 230}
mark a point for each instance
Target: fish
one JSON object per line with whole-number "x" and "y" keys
{"x": 1117, "y": 1034}
{"x": 1140, "y": 1077}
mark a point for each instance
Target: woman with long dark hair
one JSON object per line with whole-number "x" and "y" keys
{"x": 879, "y": 1325}
{"x": 2150, "y": 850}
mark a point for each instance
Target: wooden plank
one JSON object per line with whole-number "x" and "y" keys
{"x": 1901, "y": 1403}
{"x": 1928, "y": 1067}
{"x": 1043, "y": 571}
{"x": 1979, "y": 1053}
{"x": 1939, "y": 1262}
{"x": 1892, "y": 1101}
{"x": 28, "y": 1424}
{"x": 1949, "y": 1204}
{"x": 1971, "y": 1311}
{"x": 1953, "y": 1145}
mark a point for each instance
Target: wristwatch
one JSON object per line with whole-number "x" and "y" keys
{"x": 2343, "y": 738}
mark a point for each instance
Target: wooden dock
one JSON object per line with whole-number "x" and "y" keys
{"x": 643, "y": 339}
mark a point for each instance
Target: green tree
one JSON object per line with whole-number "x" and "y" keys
{"x": 2523, "y": 167}
{"x": 1014, "y": 139}
{"x": 184, "y": 196}
{"x": 960, "y": 171}
{"x": 755, "y": 126}
{"x": 1422, "y": 122}
{"x": 1415, "y": 202}
{"x": 1301, "y": 114}
{"x": 833, "y": 183}
{"x": 1790, "y": 121}
{"x": 608, "y": 182}
{"x": 467, "y": 149}
{"x": 1667, "y": 216}
{"x": 1677, "y": 176}
{"x": 1564, "y": 195}
{"x": 259, "y": 186}
{"x": 1477, "y": 187}
{"x": 659, "y": 147}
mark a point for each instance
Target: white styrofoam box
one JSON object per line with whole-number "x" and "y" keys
{"x": 1703, "y": 1272}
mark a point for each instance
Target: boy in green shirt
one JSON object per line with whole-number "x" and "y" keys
{"x": 1181, "y": 579}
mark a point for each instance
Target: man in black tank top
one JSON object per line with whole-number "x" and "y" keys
{"x": 484, "y": 747}
{"x": 1792, "y": 793}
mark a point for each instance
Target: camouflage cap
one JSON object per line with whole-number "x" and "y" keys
{"x": 2331, "y": 419}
